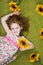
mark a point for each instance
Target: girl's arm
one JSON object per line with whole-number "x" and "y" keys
{"x": 3, "y": 21}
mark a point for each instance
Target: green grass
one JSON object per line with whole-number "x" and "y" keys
{"x": 36, "y": 23}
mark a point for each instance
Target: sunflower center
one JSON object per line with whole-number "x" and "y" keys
{"x": 13, "y": 6}
{"x": 42, "y": 33}
{"x": 41, "y": 9}
{"x": 23, "y": 43}
{"x": 34, "y": 55}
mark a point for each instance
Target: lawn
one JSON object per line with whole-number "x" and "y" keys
{"x": 28, "y": 9}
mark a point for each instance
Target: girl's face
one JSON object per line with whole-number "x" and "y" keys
{"x": 15, "y": 29}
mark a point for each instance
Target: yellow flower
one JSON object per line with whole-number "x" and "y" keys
{"x": 14, "y": 6}
{"x": 34, "y": 57}
{"x": 41, "y": 33}
{"x": 23, "y": 43}
{"x": 39, "y": 9}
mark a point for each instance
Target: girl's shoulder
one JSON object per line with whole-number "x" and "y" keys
{"x": 14, "y": 37}
{"x": 10, "y": 35}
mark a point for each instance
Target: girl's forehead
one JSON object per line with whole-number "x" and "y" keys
{"x": 15, "y": 25}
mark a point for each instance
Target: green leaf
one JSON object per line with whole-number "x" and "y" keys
{"x": 17, "y": 1}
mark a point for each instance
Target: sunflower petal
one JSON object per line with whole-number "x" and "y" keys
{"x": 23, "y": 43}
{"x": 14, "y": 6}
{"x": 39, "y": 9}
{"x": 41, "y": 33}
{"x": 34, "y": 57}
{"x": 32, "y": 60}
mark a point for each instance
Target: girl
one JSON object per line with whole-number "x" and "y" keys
{"x": 13, "y": 24}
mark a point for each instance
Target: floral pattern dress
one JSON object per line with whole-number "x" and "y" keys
{"x": 7, "y": 48}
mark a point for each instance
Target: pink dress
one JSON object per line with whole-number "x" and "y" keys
{"x": 8, "y": 48}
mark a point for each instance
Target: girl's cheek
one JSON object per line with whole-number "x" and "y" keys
{"x": 18, "y": 30}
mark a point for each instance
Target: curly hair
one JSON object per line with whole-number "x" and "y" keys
{"x": 21, "y": 20}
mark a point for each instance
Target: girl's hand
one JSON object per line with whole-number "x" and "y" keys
{"x": 17, "y": 13}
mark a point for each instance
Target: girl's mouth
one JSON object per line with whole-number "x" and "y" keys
{"x": 15, "y": 32}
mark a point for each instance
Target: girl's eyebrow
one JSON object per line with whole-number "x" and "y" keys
{"x": 15, "y": 27}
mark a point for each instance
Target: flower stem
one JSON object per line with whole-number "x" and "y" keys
{"x": 17, "y": 1}
{"x": 40, "y": 62}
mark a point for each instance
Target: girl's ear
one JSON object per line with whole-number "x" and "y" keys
{"x": 21, "y": 28}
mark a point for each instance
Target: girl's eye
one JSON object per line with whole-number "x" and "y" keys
{"x": 12, "y": 28}
{"x": 16, "y": 27}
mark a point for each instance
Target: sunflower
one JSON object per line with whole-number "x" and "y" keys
{"x": 23, "y": 43}
{"x": 34, "y": 57}
{"x": 41, "y": 33}
{"x": 39, "y": 9}
{"x": 14, "y": 6}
